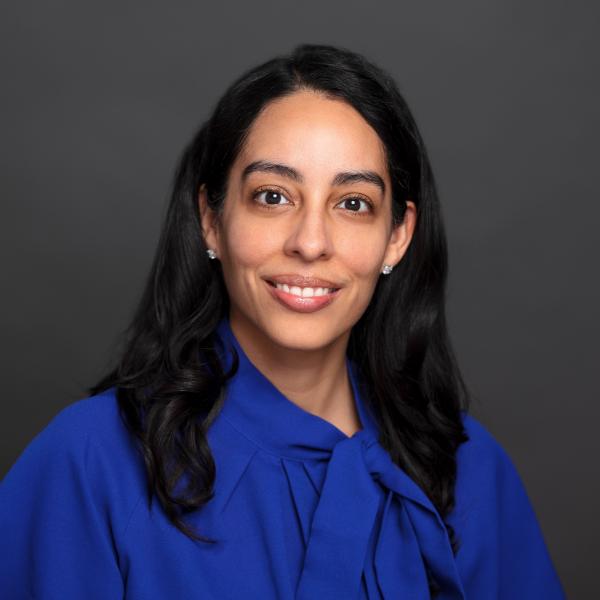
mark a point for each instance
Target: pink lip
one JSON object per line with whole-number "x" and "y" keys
{"x": 300, "y": 304}
{"x": 303, "y": 281}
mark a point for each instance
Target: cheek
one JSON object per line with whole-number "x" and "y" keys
{"x": 250, "y": 243}
{"x": 362, "y": 255}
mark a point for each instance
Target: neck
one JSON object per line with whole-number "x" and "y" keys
{"x": 314, "y": 379}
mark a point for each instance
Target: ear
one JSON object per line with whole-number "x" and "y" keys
{"x": 209, "y": 221}
{"x": 401, "y": 236}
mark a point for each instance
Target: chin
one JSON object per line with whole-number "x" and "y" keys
{"x": 300, "y": 336}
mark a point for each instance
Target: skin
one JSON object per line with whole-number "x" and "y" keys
{"x": 311, "y": 231}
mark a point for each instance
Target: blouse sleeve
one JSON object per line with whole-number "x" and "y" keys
{"x": 503, "y": 553}
{"x": 55, "y": 536}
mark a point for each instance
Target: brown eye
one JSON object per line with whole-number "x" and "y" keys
{"x": 353, "y": 204}
{"x": 271, "y": 197}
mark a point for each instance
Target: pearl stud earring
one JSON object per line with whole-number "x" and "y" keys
{"x": 211, "y": 253}
{"x": 387, "y": 269}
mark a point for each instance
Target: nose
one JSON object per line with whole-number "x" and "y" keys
{"x": 310, "y": 237}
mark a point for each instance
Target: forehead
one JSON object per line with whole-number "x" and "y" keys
{"x": 314, "y": 134}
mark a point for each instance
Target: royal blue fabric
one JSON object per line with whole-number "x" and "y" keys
{"x": 301, "y": 511}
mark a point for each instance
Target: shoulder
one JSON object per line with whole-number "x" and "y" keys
{"x": 487, "y": 479}
{"x": 502, "y": 546}
{"x": 68, "y": 500}
{"x": 88, "y": 413}
{"x": 482, "y": 450}
{"x": 98, "y": 412}
{"x": 86, "y": 446}
{"x": 87, "y": 426}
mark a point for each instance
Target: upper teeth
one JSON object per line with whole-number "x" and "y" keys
{"x": 305, "y": 292}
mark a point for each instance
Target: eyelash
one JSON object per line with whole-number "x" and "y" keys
{"x": 276, "y": 191}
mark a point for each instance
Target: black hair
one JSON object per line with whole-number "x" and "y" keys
{"x": 169, "y": 397}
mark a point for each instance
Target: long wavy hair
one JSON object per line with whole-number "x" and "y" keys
{"x": 169, "y": 380}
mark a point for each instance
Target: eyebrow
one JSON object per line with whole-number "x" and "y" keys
{"x": 265, "y": 166}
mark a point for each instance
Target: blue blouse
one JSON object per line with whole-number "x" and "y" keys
{"x": 301, "y": 511}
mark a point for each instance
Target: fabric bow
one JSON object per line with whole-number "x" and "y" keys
{"x": 412, "y": 538}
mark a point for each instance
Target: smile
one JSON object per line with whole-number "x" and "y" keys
{"x": 302, "y": 299}
{"x": 305, "y": 292}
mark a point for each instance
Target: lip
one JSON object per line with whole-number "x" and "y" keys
{"x": 302, "y": 281}
{"x": 299, "y": 303}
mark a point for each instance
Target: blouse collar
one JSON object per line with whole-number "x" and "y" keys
{"x": 261, "y": 412}
{"x": 412, "y": 536}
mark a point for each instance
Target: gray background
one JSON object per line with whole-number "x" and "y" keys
{"x": 97, "y": 103}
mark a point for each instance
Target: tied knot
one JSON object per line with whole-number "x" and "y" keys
{"x": 377, "y": 459}
{"x": 411, "y": 546}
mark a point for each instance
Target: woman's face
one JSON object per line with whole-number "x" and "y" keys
{"x": 307, "y": 218}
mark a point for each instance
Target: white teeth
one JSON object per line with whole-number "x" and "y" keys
{"x": 307, "y": 292}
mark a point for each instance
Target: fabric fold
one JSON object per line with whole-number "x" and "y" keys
{"x": 394, "y": 559}
{"x": 341, "y": 527}
{"x": 303, "y": 495}
{"x": 412, "y": 539}
{"x": 355, "y": 476}
{"x": 418, "y": 521}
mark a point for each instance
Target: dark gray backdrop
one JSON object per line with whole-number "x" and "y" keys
{"x": 97, "y": 103}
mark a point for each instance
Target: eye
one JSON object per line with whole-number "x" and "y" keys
{"x": 272, "y": 197}
{"x": 353, "y": 205}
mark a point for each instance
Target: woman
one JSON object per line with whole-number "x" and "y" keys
{"x": 287, "y": 419}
